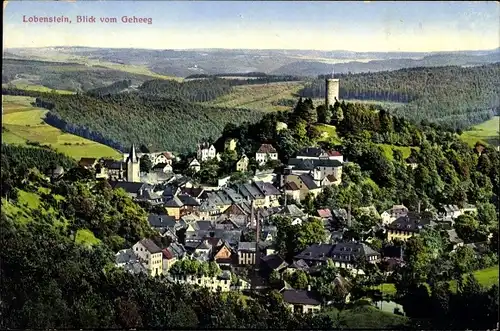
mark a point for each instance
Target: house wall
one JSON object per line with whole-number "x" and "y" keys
{"x": 399, "y": 234}
{"x": 294, "y": 194}
{"x": 167, "y": 264}
{"x": 305, "y": 308}
{"x": 242, "y": 165}
{"x": 303, "y": 190}
{"x": 154, "y": 262}
{"x": 262, "y": 158}
{"x": 174, "y": 212}
{"x": 212, "y": 283}
{"x": 246, "y": 257}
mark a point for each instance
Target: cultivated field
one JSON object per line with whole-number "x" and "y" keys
{"x": 487, "y": 132}
{"x": 22, "y": 123}
{"x": 24, "y": 84}
{"x": 260, "y": 96}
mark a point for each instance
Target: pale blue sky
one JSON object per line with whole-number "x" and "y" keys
{"x": 357, "y": 26}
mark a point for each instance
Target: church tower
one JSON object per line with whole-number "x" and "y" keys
{"x": 133, "y": 166}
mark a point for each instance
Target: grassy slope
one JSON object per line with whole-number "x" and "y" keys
{"x": 23, "y": 123}
{"x": 487, "y": 132}
{"x": 486, "y": 277}
{"x": 28, "y": 201}
{"x": 259, "y": 97}
{"x": 388, "y": 150}
{"x": 328, "y": 133}
{"x": 366, "y": 316}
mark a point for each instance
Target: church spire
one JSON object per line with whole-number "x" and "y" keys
{"x": 132, "y": 155}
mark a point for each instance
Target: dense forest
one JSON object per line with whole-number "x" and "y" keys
{"x": 193, "y": 90}
{"x": 114, "y": 88}
{"x": 122, "y": 119}
{"x": 451, "y": 96}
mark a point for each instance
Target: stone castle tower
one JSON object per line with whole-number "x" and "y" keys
{"x": 133, "y": 166}
{"x": 331, "y": 91}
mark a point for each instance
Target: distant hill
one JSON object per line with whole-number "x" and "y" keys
{"x": 315, "y": 68}
{"x": 64, "y": 76}
{"x": 184, "y": 63}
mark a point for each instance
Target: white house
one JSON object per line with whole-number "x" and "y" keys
{"x": 195, "y": 165}
{"x": 151, "y": 255}
{"x": 266, "y": 152}
{"x": 394, "y": 213}
{"x": 206, "y": 152}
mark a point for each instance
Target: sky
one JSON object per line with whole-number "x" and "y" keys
{"x": 355, "y": 26}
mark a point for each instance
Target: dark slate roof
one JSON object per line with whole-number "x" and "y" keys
{"x": 150, "y": 195}
{"x": 232, "y": 237}
{"x": 254, "y": 191}
{"x": 247, "y": 246}
{"x": 300, "y": 297}
{"x": 319, "y": 252}
{"x": 161, "y": 221}
{"x": 233, "y": 195}
{"x": 243, "y": 191}
{"x": 311, "y": 152}
{"x": 150, "y": 246}
{"x": 113, "y": 164}
{"x": 308, "y": 180}
{"x": 338, "y": 252}
{"x": 274, "y": 261}
{"x": 350, "y": 250}
{"x": 129, "y": 187}
{"x": 159, "y": 166}
{"x": 174, "y": 202}
{"x": 291, "y": 186}
{"x": 188, "y": 200}
{"x": 195, "y": 192}
{"x": 226, "y": 200}
{"x": 310, "y": 164}
{"x": 203, "y": 225}
{"x": 409, "y": 223}
{"x": 292, "y": 210}
{"x": 267, "y": 188}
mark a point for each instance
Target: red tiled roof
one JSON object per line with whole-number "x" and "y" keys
{"x": 291, "y": 186}
{"x": 334, "y": 153}
{"x": 168, "y": 155}
{"x": 324, "y": 213}
{"x": 266, "y": 148}
{"x": 166, "y": 254}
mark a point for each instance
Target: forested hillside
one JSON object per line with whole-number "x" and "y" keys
{"x": 194, "y": 90}
{"x": 451, "y": 96}
{"x": 123, "y": 119}
{"x": 64, "y": 76}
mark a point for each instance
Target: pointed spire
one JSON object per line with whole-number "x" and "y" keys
{"x": 132, "y": 155}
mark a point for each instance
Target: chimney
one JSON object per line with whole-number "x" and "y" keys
{"x": 308, "y": 288}
{"x": 257, "y": 240}
{"x": 418, "y": 207}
